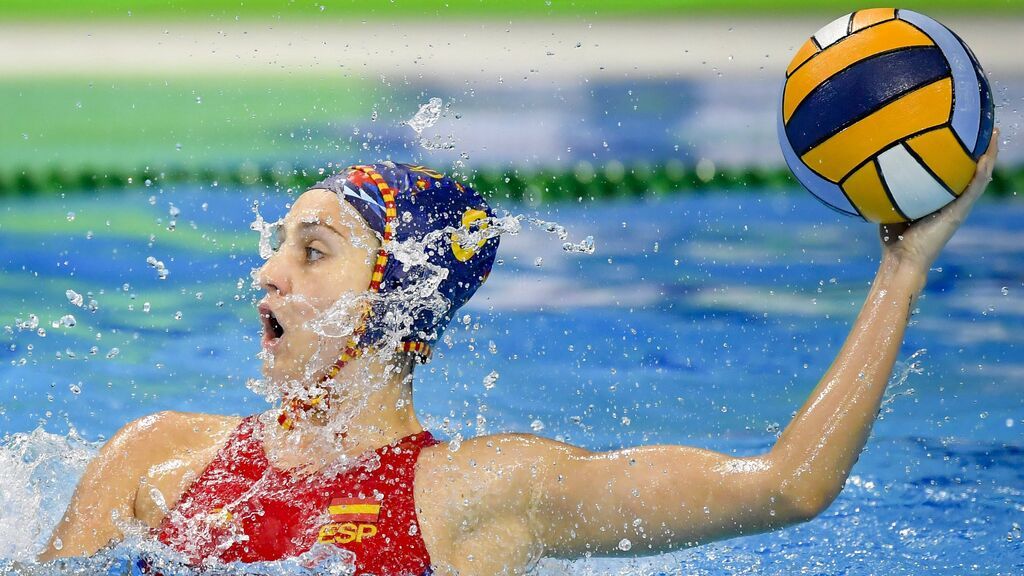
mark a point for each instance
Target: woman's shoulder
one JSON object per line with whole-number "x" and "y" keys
{"x": 164, "y": 452}
{"x": 511, "y": 447}
{"x": 498, "y": 474}
{"x": 495, "y": 458}
{"x": 163, "y": 436}
{"x": 168, "y": 429}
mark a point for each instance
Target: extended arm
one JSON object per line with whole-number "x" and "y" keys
{"x": 665, "y": 497}
{"x": 825, "y": 439}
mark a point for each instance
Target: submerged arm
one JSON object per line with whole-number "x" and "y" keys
{"x": 104, "y": 497}
{"x": 105, "y": 501}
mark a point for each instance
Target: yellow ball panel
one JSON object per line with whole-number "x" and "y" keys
{"x": 802, "y": 55}
{"x": 945, "y": 157}
{"x": 864, "y": 18}
{"x": 915, "y": 111}
{"x": 865, "y": 190}
{"x": 850, "y": 50}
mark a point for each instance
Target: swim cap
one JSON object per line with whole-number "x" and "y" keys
{"x": 402, "y": 203}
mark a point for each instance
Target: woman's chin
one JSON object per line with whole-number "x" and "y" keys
{"x": 280, "y": 371}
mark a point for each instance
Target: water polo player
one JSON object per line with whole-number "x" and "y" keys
{"x": 352, "y": 283}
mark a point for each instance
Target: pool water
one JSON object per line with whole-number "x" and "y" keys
{"x": 699, "y": 319}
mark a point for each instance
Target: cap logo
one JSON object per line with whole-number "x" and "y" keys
{"x": 471, "y": 215}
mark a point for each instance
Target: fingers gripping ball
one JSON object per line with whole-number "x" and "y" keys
{"x": 885, "y": 113}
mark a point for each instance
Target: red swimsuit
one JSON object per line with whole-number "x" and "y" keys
{"x": 243, "y": 509}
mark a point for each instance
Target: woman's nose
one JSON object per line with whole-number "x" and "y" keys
{"x": 273, "y": 276}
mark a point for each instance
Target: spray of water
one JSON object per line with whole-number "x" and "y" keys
{"x": 912, "y": 366}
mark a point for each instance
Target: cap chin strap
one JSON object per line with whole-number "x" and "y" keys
{"x": 299, "y": 408}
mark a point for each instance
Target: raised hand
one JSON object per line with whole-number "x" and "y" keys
{"x": 916, "y": 244}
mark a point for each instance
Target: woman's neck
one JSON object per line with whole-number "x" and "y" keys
{"x": 370, "y": 405}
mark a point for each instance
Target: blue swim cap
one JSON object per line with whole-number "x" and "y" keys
{"x": 404, "y": 202}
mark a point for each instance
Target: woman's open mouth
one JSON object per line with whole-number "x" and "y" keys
{"x": 272, "y": 329}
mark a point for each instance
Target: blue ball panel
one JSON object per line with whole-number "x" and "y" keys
{"x": 830, "y": 194}
{"x": 966, "y": 121}
{"x": 858, "y": 91}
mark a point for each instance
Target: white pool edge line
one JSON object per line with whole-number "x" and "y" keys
{"x": 524, "y": 51}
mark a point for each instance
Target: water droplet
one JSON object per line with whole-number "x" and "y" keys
{"x": 161, "y": 271}
{"x": 74, "y": 298}
{"x": 490, "y": 380}
{"x": 585, "y": 246}
{"x": 539, "y": 261}
{"x": 455, "y": 443}
{"x": 625, "y": 544}
{"x": 426, "y": 116}
{"x": 31, "y": 324}
{"x": 536, "y": 425}
{"x": 71, "y": 216}
{"x": 75, "y": 389}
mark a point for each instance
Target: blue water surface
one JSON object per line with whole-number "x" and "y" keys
{"x": 702, "y": 319}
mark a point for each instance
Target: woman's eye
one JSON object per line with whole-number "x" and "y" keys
{"x": 312, "y": 254}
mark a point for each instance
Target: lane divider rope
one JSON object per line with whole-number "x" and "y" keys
{"x": 581, "y": 182}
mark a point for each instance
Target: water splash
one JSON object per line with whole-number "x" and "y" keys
{"x": 266, "y": 230}
{"x": 585, "y": 246}
{"x": 550, "y": 227}
{"x": 38, "y": 472}
{"x": 912, "y": 366}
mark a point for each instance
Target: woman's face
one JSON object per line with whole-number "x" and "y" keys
{"x": 322, "y": 265}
